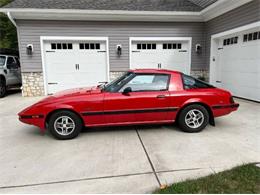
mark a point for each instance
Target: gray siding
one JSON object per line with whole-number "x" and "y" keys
{"x": 118, "y": 33}
{"x": 240, "y": 16}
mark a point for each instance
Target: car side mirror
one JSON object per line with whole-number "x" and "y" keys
{"x": 127, "y": 90}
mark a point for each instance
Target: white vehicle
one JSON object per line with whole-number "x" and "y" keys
{"x": 10, "y": 73}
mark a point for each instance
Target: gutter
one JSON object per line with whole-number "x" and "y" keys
{"x": 11, "y": 19}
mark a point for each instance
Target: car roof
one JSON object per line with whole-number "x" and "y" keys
{"x": 165, "y": 71}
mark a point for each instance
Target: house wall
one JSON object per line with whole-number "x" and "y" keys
{"x": 118, "y": 33}
{"x": 29, "y": 32}
{"x": 240, "y": 16}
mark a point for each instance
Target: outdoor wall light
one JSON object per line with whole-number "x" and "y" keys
{"x": 29, "y": 49}
{"x": 198, "y": 48}
{"x": 119, "y": 50}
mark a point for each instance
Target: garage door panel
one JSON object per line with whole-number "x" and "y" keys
{"x": 239, "y": 66}
{"x": 246, "y": 92}
{"x": 173, "y": 55}
{"x": 83, "y": 64}
{"x": 239, "y": 78}
{"x": 246, "y": 66}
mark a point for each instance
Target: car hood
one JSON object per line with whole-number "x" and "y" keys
{"x": 69, "y": 93}
{"x": 62, "y": 96}
{"x": 77, "y": 91}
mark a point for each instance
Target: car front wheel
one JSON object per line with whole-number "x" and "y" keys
{"x": 193, "y": 118}
{"x": 65, "y": 125}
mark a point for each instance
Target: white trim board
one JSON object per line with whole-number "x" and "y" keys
{"x": 131, "y": 39}
{"x": 214, "y": 45}
{"x": 220, "y": 7}
{"x": 58, "y": 38}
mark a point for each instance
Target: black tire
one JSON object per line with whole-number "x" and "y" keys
{"x": 56, "y": 117}
{"x": 2, "y": 88}
{"x": 201, "y": 124}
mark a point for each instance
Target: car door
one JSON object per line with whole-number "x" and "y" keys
{"x": 12, "y": 71}
{"x": 148, "y": 100}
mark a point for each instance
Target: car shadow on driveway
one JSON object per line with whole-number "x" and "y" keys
{"x": 129, "y": 128}
{"x": 34, "y": 131}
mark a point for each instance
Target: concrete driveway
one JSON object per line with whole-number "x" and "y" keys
{"x": 120, "y": 160}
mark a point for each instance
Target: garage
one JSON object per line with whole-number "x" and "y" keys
{"x": 237, "y": 63}
{"x": 166, "y": 53}
{"x": 71, "y": 62}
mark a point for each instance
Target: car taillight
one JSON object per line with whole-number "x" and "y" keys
{"x": 231, "y": 100}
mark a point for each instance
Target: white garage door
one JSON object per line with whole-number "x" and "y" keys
{"x": 239, "y": 64}
{"x": 71, "y": 64}
{"x": 173, "y": 55}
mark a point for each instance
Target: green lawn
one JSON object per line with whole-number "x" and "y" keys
{"x": 243, "y": 179}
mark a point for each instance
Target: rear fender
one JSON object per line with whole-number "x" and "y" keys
{"x": 200, "y": 102}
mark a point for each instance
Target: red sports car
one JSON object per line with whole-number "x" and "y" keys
{"x": 144, "y": 96}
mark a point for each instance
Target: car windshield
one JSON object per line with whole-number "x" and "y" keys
{"x": 2, "y": 60}
{"x": 192, "y": 83}
{"x": 115, "y": 84}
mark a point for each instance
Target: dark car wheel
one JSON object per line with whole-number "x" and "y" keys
{"x": 2, "y": 88}
{"x": 193, "y": 118}
{"x": 65, "y": 125}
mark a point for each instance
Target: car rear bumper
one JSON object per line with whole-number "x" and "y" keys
{"x": 229, "y": 106}
{"x": 220, "y": 110}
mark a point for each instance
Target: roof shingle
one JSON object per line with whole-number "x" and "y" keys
{"x": 126, "y": 5}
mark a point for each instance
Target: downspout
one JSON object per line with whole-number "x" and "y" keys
{"x": 11, "y": 19}
{"x": 14, "y": 23}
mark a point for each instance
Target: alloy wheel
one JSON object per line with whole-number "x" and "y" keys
{"x": 64, "y": 125}
{"x": 194, "y": 118}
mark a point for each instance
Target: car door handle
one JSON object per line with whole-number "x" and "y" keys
{"x": 161, "y": 96}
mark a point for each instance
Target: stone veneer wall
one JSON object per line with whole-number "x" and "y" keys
{"x": 114, "y": 75}
{"x": 201, "y": 73}
{"x": 32, "y": 84}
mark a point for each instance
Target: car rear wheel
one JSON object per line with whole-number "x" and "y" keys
{"x": 2, "y": 88}
{"x": 65, "y": 125}
{"x": 193, "y": 118}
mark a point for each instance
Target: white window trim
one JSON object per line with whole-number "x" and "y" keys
{"x": 62, "y": 38}
{"x": 189, "y": 39}
{"x": 214, "y": 46}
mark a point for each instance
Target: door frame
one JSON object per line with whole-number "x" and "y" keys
{"x": 43, "y": 39}
{"x": 215, "y": 43}
{"x": 189, "y": 39}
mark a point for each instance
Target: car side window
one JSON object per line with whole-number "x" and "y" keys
{"x": 2, "y": 60}
{"x": 192, "y": 83}
{"x": 148, "y": 82}
{"x": 10, "y": 61}
{"x": 115, "y": 85}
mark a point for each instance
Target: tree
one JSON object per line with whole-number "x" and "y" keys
{"x": 8, "y": 34}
